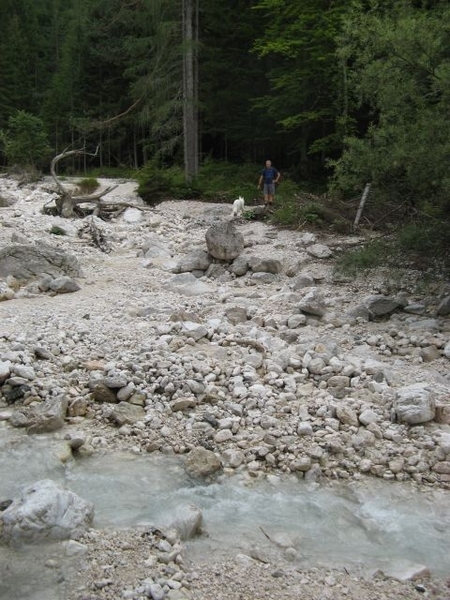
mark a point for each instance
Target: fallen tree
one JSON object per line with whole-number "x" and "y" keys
{"x": 68, "y": 200}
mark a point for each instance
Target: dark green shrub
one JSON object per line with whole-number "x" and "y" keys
{"x": 25, "y": 142}
{"x": 88, "y": 185}
{"x": 372, "y": 255}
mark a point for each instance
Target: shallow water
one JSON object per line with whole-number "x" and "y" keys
{"x": 370, "y": 523}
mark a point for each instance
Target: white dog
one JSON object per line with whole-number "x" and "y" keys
{"x": 238, "y": 207}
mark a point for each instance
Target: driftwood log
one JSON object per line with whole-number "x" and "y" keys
{"x": 67, "y": 200}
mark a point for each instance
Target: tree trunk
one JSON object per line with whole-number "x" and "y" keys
{"x": 190, "y": 88}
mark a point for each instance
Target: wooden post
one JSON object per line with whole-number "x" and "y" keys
{"x": 361, "y": 205}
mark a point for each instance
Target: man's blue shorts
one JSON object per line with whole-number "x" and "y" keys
{"x": 269, "y": 189}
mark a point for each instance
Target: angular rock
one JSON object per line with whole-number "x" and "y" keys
{"x": 132, "y": 215}
{"x": 265, "y": 265}
{"x": 430, "y": 353}
{"x": 27, "y": 262}
{"x": 5, "y": 370}
{"x": 64, "y": 285}
{"x": 415, "y": 404}
{"x": 202, "y": 463}
{"x": 262, "y": 277}
{"x": 125, "y": 413}
{"x": 402, "y": 570}
{"x": 155, "y": 247}
{"x": 319, "y": 251}
{"x": 193, "y": 330}
{"x": 240, "y": 266}
{"x": 45, "y": 510}
{"x": 302, "y": 281}
{"x": 312, "y": 303}
{"x": 102, "y": 393}
{"x": 48, "y": 416}
{"x": 443, "y": 308}
{"x": 188, "y": 284}
{"x": 367, "y": 417}
{"x": 198, "y": 260}
{"x": 347, "y": 416}
{"x": 224, "y": 241}
{"x": 236, "y": 314}
{"x": 379, "y": 306}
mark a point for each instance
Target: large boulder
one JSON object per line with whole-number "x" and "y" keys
{"x": 45, "y": 510}
{"x": 26, "y": 262}
{"x": 224, "y": 241}
{"x": 197, "y": 260}
{"x": 414, "y": 404}
{"x": 379, "y": 306}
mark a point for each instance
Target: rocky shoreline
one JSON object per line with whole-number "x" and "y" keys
{"x": 264, "y": 364}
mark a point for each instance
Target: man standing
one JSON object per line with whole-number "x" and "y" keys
{"x": 269, "y": 177}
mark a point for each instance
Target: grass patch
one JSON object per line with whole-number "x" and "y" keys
{"x": 114, "y": 172}
{"x": 56, "y": 230}
{"x": 374, "y": 254}
{"x": 88, "y": 185}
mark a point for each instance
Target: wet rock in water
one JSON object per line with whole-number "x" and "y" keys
{"x": 202, "y": 463}
{"x": 45, "y": 510}
{"x": 188, "y": 521}
{"x": 402, "y": 570}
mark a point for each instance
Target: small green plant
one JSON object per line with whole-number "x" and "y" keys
{"x": 370, "y": 256}
{"x": 55, "y": 230}
{"x": 88, "y": 185}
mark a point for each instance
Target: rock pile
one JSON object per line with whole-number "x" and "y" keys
{"x": 255, "y": 361}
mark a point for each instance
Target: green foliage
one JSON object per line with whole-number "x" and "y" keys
{"x": 25, "y": 141}
{"x": 422, "y": 246}
{"x": 224, "y": 182}
{"x": 399, "y": 71}
{"x": 431, "y": 241}
{"x": 157, "y": 184}
{"x": 88, "y": 185}
{"x": 217, "y": 181}
{"x": 305, "y": 98}
{"x": 370, "y": 256}
{"x": 121, "y": 172}
{"x": 56, "y": 230}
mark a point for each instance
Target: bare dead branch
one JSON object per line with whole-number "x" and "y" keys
{"x": 119, "y": 116}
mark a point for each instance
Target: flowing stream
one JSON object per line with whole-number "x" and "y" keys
{"x": 367, "y": 524}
